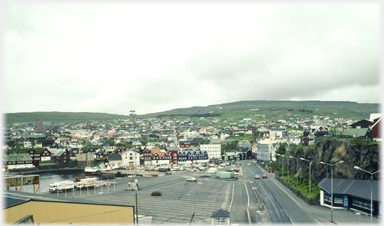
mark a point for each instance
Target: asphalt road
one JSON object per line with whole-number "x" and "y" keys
{"x": 282, "y": 208}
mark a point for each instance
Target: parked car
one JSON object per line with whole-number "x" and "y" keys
{"x": 205, "y": 175}
{"x": 191, "y": 179}
{"x": 257, "y": 176}
{"x": 264, "y": 175}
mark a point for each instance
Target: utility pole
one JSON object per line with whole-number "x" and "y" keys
{"x": 137, "y": 212}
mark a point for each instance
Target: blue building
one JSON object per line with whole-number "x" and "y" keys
{"x": 351, "y": 194}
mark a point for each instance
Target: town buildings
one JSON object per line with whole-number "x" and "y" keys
{"x": 168, "y": 141}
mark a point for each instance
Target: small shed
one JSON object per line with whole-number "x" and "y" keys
{"x": 221, "y": 217}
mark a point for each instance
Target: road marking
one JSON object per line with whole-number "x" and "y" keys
{"x": 247, "y": 193}
{"x": 233, "y": 189}
{"x": 287, "y": 193}
{"x": 317, "y": 221}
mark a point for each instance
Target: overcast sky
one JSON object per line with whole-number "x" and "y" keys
{"x": 151, "y": 57}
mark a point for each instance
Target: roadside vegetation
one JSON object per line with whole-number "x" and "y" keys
{"x": 301, "y": 183}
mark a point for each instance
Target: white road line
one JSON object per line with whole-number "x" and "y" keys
{"x": 247, "y": 193}
{"x": 233, "y": 192}
{"x": 287, "y": 193}
{"x": 317, "y": 221}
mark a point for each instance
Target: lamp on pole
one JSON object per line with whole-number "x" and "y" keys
{"x": 287, "y": 166}
{"x": 297, "y": 169}
{"x": 283, "y": 161}
{"x": 358, "y": 168}
{"x": 282, "y": 164}
{"x": 331, "y": 165}
{"x": 309, "y": 175}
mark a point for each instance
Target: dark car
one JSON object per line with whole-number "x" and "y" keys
{"x": 205, "y": 175}
{"x": 264, "y": 175}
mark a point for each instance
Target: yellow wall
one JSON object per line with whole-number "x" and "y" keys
{"x": 65, "y": 213}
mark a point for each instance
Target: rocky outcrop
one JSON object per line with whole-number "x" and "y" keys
{"x": 333, "y": 150}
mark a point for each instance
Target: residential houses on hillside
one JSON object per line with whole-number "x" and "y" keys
{"x": 127, "y": 143}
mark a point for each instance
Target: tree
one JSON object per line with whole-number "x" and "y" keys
{"x": 144, "y": 140}
{"x": 231, "y": 145}
{"x": 282, "y": 149}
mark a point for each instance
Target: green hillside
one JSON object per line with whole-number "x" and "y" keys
{"x": 243, "y": 109}
{"x": 334, "y": 109}
{"x": 66, "y": 117}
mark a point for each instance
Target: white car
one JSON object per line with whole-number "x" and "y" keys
{"x": 249, "y": 164}
{"x": 191, "y": 179}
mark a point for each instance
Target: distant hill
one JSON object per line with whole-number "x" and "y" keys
{"x": 66, "y": 117}
{"x": 334, "y": 109}
{"x": 241, "y": 109}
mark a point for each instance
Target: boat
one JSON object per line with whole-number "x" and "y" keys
{"x": 91, "y": 170}
{"x": 96, "y": 170}
{"x": 104, "y": 169}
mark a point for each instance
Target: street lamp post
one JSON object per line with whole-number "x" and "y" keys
{"x": 280, "y": 161}
{"x": 309, "y": 175}
{"x": 331, "y": 165}
{"x": 358, "y": 168}
{"x": 297, "y": 169}
{"x": 287, "y": 167}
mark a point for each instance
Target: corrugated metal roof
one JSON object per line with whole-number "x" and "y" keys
{"x": 357, "y": 188}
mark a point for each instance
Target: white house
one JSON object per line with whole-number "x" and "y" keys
{"x": 17, "y": 161}
{"x": 130, "y": 158}
{"x": 213, "y": 150}
{"x": 114, "y": 160}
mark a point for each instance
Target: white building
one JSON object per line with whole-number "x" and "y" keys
{"x": 213, "y": 150}
{"x": 290, "y": 140}
{"x": 27, "y": 144}
{"x": 267, "y": 150}
{"x": 130, "y": 158}
{"x": 275, "y": 134}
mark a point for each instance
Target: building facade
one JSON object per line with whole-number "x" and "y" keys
{"x": 213, "y": 150}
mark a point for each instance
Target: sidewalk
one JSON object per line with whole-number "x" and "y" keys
{"x": 322, "y": 214}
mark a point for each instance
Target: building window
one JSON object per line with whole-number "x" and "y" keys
{"x": 327, "y": 197}
{"x": 338, "y": 199}
{"x": 366, "y": 204}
